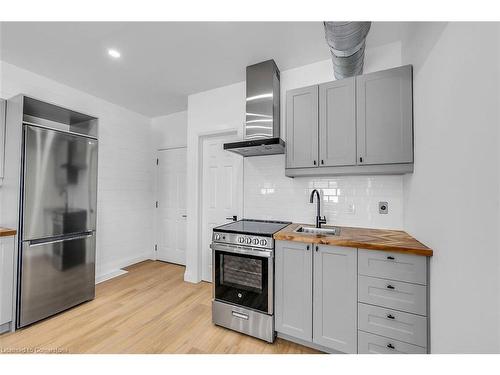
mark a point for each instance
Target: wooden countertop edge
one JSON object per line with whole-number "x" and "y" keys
{"x": 7, "y": 232}
{"x": 286, "y": 235}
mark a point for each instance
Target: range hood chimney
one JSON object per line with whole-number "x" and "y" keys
{"x": 346, "y": 41}
{"x": 262, "y": 125}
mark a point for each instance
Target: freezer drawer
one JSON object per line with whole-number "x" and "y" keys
{"x": 55, "y": 275}
{"x": 59, "y": 182}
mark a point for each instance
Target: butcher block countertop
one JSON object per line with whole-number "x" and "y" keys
{"x": 6, "y": 232}
{"x": 363, "y": 238}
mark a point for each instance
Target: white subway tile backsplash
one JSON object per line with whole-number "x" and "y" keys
{"x": 346, "y": 200}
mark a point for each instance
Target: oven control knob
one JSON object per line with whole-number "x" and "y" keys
{"x": 248, "y": 240}
{"x": 256, "y": 241}
{"x": 217, "y": 237}
{"x": 263, "y": 242}
{"x": 241, "y": 239}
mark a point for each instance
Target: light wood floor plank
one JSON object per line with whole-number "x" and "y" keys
{"x": 149, "y": 310}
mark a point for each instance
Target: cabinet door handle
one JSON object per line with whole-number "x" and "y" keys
{"x": 360, "y": 159}
{"x": 322, "y": 162}
{"x": 390, "y": 316}
{"x": 314, "y": 162}
{"x": 390, "y": 257}
{"x": 317, "y": 248}
{"x": 390, "y": 287}
{"x": 307, "y": 247}
{"x": 390, "y": 346}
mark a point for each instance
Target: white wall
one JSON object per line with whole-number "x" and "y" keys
{"x": 208, "y": 112}
{"x": 170, "y": 131}
{"x": 452, "y": 198}
{"x": 126, "y": 161}
{"x": 224, "y": 108}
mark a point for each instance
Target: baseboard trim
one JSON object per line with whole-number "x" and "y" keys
{"x": 6, "y": 327}
{"x": 115, "y": 269}
{"x": 110, "y": 276}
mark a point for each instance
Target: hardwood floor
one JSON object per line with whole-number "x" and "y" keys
{"x": 149, "y": 310}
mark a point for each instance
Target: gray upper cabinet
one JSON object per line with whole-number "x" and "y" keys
{"x": 337, "y": 123}
{"x": 335, "y": 298}
{"x": 385, "y": 116}
{"x": 293, "y": 289}
{"x": 362, "y": 125}
{"x": 3, "y": 107}
{"x": 302, "y": 127}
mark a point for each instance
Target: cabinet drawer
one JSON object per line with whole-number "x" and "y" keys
{"x": 388, "y": 265}
{"x": 373, "y": 344}
{"x": 393, "y": 294}
{"x": 394, "y": 324}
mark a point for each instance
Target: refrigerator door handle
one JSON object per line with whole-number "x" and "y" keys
{"x": 34, "y": 243}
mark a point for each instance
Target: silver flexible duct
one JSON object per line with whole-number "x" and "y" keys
{"x": 346, "y": 41}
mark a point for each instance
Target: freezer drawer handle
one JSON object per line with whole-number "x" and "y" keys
{"x": 41, "y": 243}
{"x": 240, "y": 315}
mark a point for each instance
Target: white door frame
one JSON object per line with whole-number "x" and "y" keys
{"x": 156, "y": 195}
{"x": 201, "y": 138}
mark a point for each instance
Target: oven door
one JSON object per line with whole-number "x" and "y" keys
{"x": 243, "y": 276}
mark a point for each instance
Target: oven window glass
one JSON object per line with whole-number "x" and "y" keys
{"x": 242, "y": 280}
{"x": 243, "y": 273}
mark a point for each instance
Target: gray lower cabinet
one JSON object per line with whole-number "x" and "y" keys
{"x": 393, "y": 308}
{"x": 302, "y": 127}
{"x": 385, "y": 116}
{"x": 293, "y": 289}
{"x": 334, "y": 298}
{"x": 337, "y": 123}
{"x": 328, "y": 288}
{"x": 7, "y": 245}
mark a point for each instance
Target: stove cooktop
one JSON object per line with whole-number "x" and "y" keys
{"x": 253, "y": 227}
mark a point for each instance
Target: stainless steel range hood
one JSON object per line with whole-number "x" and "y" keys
{"x": 262, "y": 125}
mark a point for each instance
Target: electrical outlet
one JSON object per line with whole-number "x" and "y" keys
{"x": 383, "y": 207}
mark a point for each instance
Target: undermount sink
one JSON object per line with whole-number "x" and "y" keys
{"x": 332, "y": 231}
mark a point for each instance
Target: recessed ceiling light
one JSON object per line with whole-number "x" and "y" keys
{"x": 114, "y": 53}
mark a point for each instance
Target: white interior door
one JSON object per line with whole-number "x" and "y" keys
{"x": 222, "y": 195}
{"x": 172, "y": 206}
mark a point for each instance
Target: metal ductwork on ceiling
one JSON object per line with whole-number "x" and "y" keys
{"x": 346, "y": 41}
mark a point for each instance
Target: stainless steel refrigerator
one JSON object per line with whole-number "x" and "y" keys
{"x": 58, "y": 222}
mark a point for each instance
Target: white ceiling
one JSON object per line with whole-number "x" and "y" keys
{"x": 163, "y": 62}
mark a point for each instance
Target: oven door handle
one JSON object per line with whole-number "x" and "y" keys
{"x": 241, "y": 250}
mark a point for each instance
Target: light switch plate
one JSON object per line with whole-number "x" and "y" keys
{"x": 383, "y": 207}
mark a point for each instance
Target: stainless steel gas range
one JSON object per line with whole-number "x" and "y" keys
{"x": 243, "y": 276}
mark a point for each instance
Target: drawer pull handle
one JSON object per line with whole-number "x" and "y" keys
{"x": 390, "y": 257}
{"x": 390, "y": 287}
{"x": 390, "y": 346}
{"x": 390, "y": 316}
{"x": 240, "y": 315}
